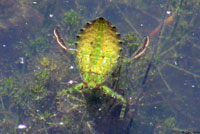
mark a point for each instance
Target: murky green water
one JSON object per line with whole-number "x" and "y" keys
{"x": 34, "y": 70}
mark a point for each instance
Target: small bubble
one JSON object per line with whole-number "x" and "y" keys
{"x": 150, "y": 123}
{"x": 71, "y": 67}
{"x": 4, "y": 45}
{"x": 34, "y": 2}
{"x": 38, "y": 98}
{"x": 168, "y": 12}
{"x": 193, "y": 86}
{"x": 22, "y": 126}
{"x": 175, "y": 62}
{"x": 61, "y": 123}
{"x": 141, "y": 25}
{"x": 21, "y": 60}
{"x": 71, "y": 82}
{"x": 51, "y": 15}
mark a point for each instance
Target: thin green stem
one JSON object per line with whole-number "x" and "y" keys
{"x": 165, "y": 82}
{"x": 127, "y": 21}
{"x": 181, "y": 69}
{"x": 2, "y": 103}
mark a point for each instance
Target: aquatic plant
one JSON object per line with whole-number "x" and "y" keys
{"x": 45, "y": 62}
{"x": 36, "y": 45}
{"x": 131, "y": 42}
{"x": 72, "y": 22}
{"x": 42, "y": 76}
{"x": 8, "y": 86}
{"x": 168, "y": 97}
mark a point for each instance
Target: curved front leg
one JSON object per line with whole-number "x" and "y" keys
{"x": 139, "y": 52}
{"x": 61, "y": 42}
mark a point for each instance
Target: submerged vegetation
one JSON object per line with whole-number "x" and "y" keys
{"x": 37, "y": 45}
{"x": 165, "y": 101}
{"x": 71, "y": 21}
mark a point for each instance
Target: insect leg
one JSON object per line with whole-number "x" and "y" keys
{"x": 114, "y": 94}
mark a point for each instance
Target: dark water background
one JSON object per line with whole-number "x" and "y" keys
{"x": 34, "y": 70}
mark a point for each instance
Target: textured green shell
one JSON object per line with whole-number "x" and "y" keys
{"x": 98, "y": 51}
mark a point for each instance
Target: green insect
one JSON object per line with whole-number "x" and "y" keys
{"x": 98, "y": 53}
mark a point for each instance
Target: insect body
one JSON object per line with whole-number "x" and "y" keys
{"x": 98, "y": 53}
